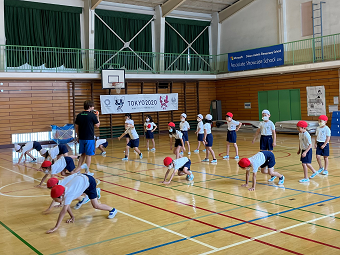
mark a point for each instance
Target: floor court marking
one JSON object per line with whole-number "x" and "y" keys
{"x": 268, "y": 234}
{"x": 6, "y": 195}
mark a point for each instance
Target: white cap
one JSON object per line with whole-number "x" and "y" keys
{"x": 208, "y": 117}
{"x": 17, "y": 147}
{"x": 200, "y": 116}
{"x": 266, "y": 111}
{"x": 184, "y": 115}
{"x": 42, "y": 151}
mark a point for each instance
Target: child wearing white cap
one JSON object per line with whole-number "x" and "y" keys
{"x": 25, "y": 150}
{"x": 208, "y": 139}
{"x": 199, "y": 132}
{"x": 184, "y": 128}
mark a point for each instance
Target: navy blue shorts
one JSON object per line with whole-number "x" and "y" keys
{"x": 322, "y": 152}
{"x": 308, "y": 158}
{"x": 69, "y": 164}
{"x": 266, "y": 143}
{"x": 200, "y": 137}
{"x": 231, "y": 136}
{"x": 87, "y": 146}
{"x": 62, "y": 149}
{"x": 127, "y": 136}
{"x": 209, "y": 139}
{"x": 185, "y": 136}
{"x": 133, "y": 143}
{"x": 105, "y": 144}
{"x": 149, "y": 134}
{"x": 188, "y": 164}
{"x": 178, "y": 142}
{"x": 91, "y": 191}
{"x": 270, "y": 159}
{"x": 37, "y": 146}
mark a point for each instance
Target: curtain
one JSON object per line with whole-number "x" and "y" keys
{"x": 126, "y": 25}
{"x": 45, "y": 25}
{"x": 189, "y": 30}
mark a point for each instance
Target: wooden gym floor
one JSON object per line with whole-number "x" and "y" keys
{"x": 211, "y": 215}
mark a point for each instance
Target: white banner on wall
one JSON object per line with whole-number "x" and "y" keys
{"x": 116, "y": 104}
{"x": 316, "y": 103}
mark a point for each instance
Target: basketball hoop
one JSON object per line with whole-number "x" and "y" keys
{"x": 117, "y": 86}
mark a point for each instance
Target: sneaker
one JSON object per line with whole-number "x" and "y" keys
{"x": 98, "y": 193}
{"x": 281, "y": 180}
{"x": 147, "y": 149}
{"x": 196, "y": 151}
{"x": 325, "y": 172}
{"x": 79, "y": 204}
{"x": 103, "y": 153}
{"x": 189, "y": 153}
{"x": 188, "y": 177}
{"x": 205, "y": 160}
{"x": 112, "y": 213}
{"x": 236, "y": 157}
{"x": 272, "y": 179}
{"x": 33, "y": 161}
{"x": 320, "y": 170}
{"x": 181, "y": 153}
{"x": 204, "y": 150}
{"x": 226, "y": 157}
{"x": 213, "y": 161}
{"x": 141, "y": 156}
{"x": 84, "y": 166}
{"x": 303, "y": 180}
{"x": 86, "y": 200}
{"x": 191, "y": 177}
{"x": 125, "y": 159}
{"x": 313, "y": 175}
{"x": 153, "y": 149}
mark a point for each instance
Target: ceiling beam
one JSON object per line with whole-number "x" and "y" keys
{"x": 170, "y": 5}
{"x": 226, "y": 13}
{"x": 95, "y": 3}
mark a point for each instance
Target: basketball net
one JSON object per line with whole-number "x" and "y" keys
{"x": 117, "y": 86}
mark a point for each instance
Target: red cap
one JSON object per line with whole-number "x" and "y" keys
{"x": 302, "y": 124}
{"x": 229, "y": 114}
{"x": 46, "y": 164}
{"x": 171, "y": 124}
{"x": 323, "y": 117}
{"x": 149, "y": 125}
{"x": 52, "y": 182}
{"x": 244, "y": 162}
{"x": 57, "y": 191}
{"x": 167, "y": 161}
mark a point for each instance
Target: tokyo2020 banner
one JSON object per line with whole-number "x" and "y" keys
{"x": 257, "y": 58}
{"x": 116, "y": 104}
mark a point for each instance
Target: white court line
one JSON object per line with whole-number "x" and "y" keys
{"x": 20, "y": 173}
{"x": 169, "y": 230}
{"x": 269, "y": 234}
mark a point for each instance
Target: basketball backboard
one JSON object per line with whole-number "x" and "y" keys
{"x": 112, "y": 76}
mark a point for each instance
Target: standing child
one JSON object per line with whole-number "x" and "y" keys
{"x": 179, "y": 144}
{"x": 75, "y": 188}
{"x": 128, "y": 119}
{"x": 134, "y": 142}
{"x": 25, "y": 150}
{"x": 305, "y": 148}
{"x": 184, "y": 127}
{"x": 263, "y": 159}
{"x": 208, "y": 139}
{"x": 323, "y": 135}
{"x": 199, "y": 132}
{"x": 181, "y": 165}
{"x": 233, "y": 127}
{"x": 101, "y": 144}
{"x": 149, "y": 127}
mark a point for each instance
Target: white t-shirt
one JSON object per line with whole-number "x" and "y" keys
{"x": 305, "y": 140}
{"x": 322, "y": 133}
{"x": 151, "y": 127}
{"x": 178, "y": 163}
{"x": 207, "y": 126}
{"x": 54, "y": 152}
{"x": 129, "y": 122}
{"x": 100, "y": 142}
{"x": 67, "y": 179}
{"x": 257, "y": 160}
{"x": 178, "y": 135}
{"x": 28, "y": 146}
{"x": 75, "y": 188}
{"x": 133, "y": 133}
{"x": 267, "y": 127}
{"x": 232, "y": 125}
{"x": 184, "y": 126}
{"x": 58, "y": 166}
{"x": 200, "y": 127}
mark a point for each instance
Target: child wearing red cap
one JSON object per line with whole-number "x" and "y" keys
{"x": 305, "y": 148}
{"x": 181, "y": 165}
{"x": 233, "y": 127}
{"x": 263, "y": 159}
{"x": 80, "y": 184}
{"x": 323, "y": 135}
{"x": 179, "y": 144}
{"x": 149, "y": 127}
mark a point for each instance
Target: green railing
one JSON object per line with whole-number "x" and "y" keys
{"x": 50, "y": 59}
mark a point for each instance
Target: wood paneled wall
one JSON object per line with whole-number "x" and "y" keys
{"x": 235, "y": 92}
{"x": 207, "y": 93}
